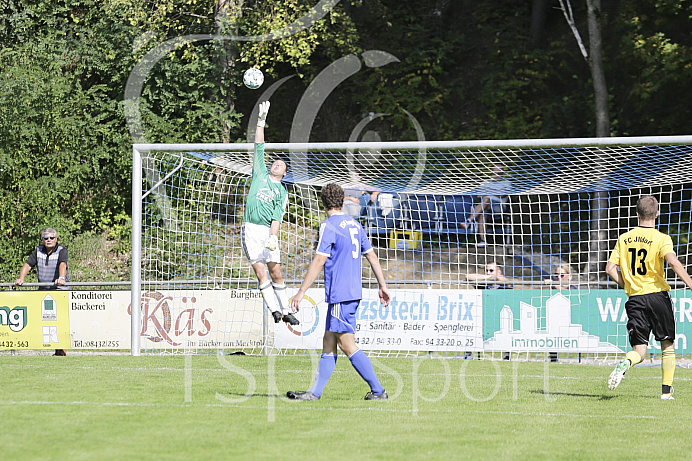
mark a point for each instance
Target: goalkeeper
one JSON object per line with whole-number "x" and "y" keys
{"x": 264, "y": 210}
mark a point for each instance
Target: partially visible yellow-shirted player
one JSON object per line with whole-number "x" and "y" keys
{"x": 636, "y": 264}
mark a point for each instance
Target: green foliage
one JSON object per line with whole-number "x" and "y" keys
{"x": 62, "y": 128}
{"x": 119, "y": 230}
{"x": 93, "y": 258}
{"x": 420, "y": 83}
{"x": 654, "y": 64}
{"x": 331, "y": 37}
{"x": 299, "y": 210}
{"x": 466, "y": 70}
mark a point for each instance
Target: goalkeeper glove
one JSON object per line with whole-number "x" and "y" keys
{"x": 272, "y": 243}
{"x": 263, "y": 111}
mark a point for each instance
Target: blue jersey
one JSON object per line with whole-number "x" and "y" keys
{"x": 343, "y": 241}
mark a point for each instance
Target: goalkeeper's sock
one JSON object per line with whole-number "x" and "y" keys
{"x": 325, "y": 368}
{"x": 633, "y": 357}
{"x": 668, "y": 369}
{"x": 363, "y": 366}
{"x": 280, "y": 290}
{"x": 269, "y": 296}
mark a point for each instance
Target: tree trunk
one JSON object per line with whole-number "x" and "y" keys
{"x": 539, "y": 13}
{"x": 228, "y": 12}
{"x": 596, "y": 63}
{"x": 598, "y": 239}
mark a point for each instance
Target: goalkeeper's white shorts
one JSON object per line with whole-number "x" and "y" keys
{"x": 253, "y": 238}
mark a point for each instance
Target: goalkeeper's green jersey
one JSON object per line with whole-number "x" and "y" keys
{"x": 266, "y": 201}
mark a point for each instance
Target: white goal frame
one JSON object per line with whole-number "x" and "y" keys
{"x": 298, "y": 156}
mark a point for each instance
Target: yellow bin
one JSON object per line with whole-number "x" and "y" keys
{"x": 404, "y": 239}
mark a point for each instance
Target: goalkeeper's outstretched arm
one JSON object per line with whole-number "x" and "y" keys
{"x": 261, "y": 121}
{"x": 259, "y": 134}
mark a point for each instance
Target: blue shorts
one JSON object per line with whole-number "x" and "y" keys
{"x": 341, "y": 317}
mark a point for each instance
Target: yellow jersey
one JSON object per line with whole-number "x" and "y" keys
{"x": 640, "y": 254}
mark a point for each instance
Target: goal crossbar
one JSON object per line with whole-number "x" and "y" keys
{"x": 567, "y": 201}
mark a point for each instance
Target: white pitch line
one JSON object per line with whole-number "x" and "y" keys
{"x": 416, "y": 411}
{"x": 509, "y": 374}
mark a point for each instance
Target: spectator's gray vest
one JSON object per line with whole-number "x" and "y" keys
{"x": 47, "y": 265}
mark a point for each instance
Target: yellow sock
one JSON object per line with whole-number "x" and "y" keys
{"x": 633, "y": 357}
{"x": 668, "y": 366}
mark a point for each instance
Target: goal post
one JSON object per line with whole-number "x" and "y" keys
{"x": 560, "y": 207}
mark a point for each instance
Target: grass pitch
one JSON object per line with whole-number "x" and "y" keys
{"x": 233, "y": 407}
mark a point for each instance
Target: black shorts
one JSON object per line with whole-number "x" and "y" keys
{"x": 648, "y": 313}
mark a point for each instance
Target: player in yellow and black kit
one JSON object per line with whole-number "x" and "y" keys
{"x": 639, "y": 256}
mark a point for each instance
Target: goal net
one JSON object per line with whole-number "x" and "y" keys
{"x": 491, "y": 249}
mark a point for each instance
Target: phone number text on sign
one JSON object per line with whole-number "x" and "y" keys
{"x": 424, "y": 320}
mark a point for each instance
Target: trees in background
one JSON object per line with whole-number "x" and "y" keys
{"x": 465, "y": 70}
{"x": 63, "y": 161}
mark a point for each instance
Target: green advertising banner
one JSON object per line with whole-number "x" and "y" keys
{"x": 568, "y": 321}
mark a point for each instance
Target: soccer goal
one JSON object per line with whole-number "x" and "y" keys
{"x": 492, "y": 249}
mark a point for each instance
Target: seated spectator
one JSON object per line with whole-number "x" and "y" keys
{"x": 493, "y": 273}
{"x": 384, "y": 211}
{"x": 357, "y": 196}
{"x": 353, "y": 205}
{"x": 494, "y": 193}
{"x": 561, "y": 278}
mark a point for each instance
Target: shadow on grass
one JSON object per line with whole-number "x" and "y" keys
{"x": 574, "y": 394}
{"x": 280, "y": 396}
{"x": 254, "y": 394}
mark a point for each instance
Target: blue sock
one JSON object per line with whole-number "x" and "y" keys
{"x": 325, "y": 367}
{"x": 363, "y": 366}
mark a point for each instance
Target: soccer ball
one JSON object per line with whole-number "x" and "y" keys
{"x": 253, "y": 78}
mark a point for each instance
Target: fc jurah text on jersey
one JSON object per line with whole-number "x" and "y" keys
{"x": 638, "y": 239}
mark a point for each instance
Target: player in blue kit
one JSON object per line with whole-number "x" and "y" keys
{"x": 342, "y": 243}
